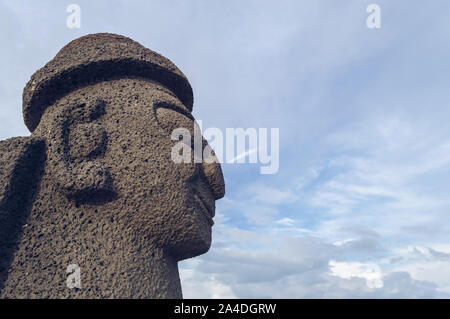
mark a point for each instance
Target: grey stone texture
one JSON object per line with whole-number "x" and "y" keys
{"x": 95, "y": 184}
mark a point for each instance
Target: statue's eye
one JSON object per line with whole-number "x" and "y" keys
{"x": 172, "y": 117}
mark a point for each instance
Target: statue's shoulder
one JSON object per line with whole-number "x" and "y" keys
{"x": 18, "y": 158}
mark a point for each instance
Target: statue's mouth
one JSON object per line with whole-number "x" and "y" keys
{"x": 207, "y": 211}
{"x": 204, "y": 199}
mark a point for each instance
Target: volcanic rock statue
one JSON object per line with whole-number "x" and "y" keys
{"x": 95, "y": 185}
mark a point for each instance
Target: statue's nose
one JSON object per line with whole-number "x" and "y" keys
{"x": 214, "y": 176}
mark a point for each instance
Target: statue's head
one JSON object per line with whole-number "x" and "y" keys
{"x": 107, "y": 109}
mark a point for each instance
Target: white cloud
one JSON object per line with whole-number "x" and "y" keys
{"x": 347, "y": 270}
{"x": 286, "y": 222}
{"x": 198, "y": 285}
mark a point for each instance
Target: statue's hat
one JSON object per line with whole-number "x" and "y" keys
{"x": 94, "y": 58}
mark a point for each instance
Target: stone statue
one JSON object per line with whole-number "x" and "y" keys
{"x": 95, "y": 184}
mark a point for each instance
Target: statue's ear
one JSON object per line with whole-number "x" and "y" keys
{"x": 76, "y": 148}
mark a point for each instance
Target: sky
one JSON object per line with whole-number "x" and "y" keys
{"x": 359, "y": 207}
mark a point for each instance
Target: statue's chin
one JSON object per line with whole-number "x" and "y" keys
{"x": 192, "y": 250}
{"x": 196, "y": 241}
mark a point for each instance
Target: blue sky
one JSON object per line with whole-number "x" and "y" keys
{"x": 360, "y": 205}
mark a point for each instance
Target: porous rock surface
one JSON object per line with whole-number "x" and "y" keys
{"x": 96, "y": 185}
